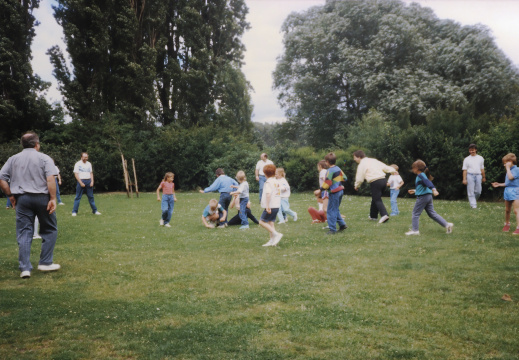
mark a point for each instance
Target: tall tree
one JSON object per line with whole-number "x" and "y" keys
{"x": 22, "y": 105}
{"x": 346, "y": 57}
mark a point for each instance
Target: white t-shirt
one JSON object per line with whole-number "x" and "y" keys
{"x": 83, "y": 169}
{"x": 474, "y": 164}
{"x": 284, "y": 188}
{"x": 394, "y": 181}
{"x": 271, "y": 187}
{"x": 322, "y": 177}
{"x": 261, "y": 164}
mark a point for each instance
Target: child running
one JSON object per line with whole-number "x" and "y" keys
{"x": 243, "y": 193}
{"x": 168, "y": 198}
{"x": 284, "y": 188}
{"x": 511, "y": 194}
{"x": 394, "y": 182}
{"x": 213, "y": 214}
{"x": 270, "y": 201}
{"x": 333, "y": 184}
{"x": 322, "y": 196}
{"x": 424, "y": 200}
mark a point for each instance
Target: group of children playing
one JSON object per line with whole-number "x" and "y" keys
{"x": 276, "y": 193}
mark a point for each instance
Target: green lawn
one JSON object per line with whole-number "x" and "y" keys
{"x": 129, "y": 289}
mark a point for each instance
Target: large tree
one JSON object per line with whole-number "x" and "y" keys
{"x": 22, "y": 105}
{"x": 346, "y": 57}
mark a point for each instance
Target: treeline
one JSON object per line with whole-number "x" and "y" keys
{"x": 161, "y": 82}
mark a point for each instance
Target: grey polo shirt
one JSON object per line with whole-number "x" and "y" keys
{"x": 27, "y": 171}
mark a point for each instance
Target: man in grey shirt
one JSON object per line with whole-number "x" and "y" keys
{"x": 32, "y": 192}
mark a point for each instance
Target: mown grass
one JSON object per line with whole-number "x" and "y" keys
{"x": 129, "y": 289}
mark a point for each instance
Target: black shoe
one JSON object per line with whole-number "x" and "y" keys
{"x": 331, "y": 232}
{"x": 342, "y": 228}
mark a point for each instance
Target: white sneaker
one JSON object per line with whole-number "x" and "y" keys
{"x": 36, "y": 237}
{"x": 161, "y": 222}
{"x": 269, "y": 243}
{"x": 412, "y": 232}
{"x": 449, "y": 227}
{"x": 61, "y": 204}
{"x": 295, "y": 216}
{"x": 97, "y": 213}
{"x": 326, "y": 227}
{"x": 25, "y": 274}
{"x": 51, "y": 267}
{"x": 282, "y": 222}
{"x": 74, "y": 214}
{"x": 383, "y": 219}
{"x": 276, "y": 239}
{"x": 372, "y": 219}
{"x": 167, "y": 225}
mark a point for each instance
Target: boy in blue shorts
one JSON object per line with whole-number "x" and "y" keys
{"x": 511, "y": 194}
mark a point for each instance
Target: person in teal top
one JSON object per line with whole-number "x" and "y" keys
{"x": 511, "y": 194}
{"x": 424, "y": 199}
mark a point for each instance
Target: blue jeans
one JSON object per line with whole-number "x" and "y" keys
{"x": 225, "y": 200}
{"x": 28, "y": 206}
{"x": 58, "y": 198}
{"x": 285, "y": 208}
{"x": 334, "y": 216}
{"x": 473, "y": 188}
{"x": 243, "y": 211}
{"x": 394, "y": 206}
{"x": 79, "y": 193}
{"x": 8, "y": 203}
{"x": 262, "y": 180}
{"x": 167, "y": 205}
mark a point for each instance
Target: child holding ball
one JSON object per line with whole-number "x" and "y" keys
{"x": 168, "y": 198}
{"x": 511, "y": 194}
{"x": 424, "y": 191}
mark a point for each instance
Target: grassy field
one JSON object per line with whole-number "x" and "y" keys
{"x": 129, "y": 289}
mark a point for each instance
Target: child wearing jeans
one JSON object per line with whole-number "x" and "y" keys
{"x": 213, "y": 214}
{"x": 394, "y": 182}
{"x": 285, "y": 194}
{"x": 168, "y": 198}
{"x": 322, "y": 196}
{"x": 424, "y": 191}
{"x": 511, "y": 194}
{"x": 270, "y": 201}
{"x": 243, "y": 193}
{"x": 333, "y": 184}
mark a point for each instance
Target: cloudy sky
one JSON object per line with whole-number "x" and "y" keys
{"x": 264, "y": 40}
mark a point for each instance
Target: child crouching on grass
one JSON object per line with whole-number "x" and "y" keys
{"x": 424, "y": 200}
{"x": 284, "y": 188}
{"x": 168, "y": 198}
{"x": 511, "y": 194}
{"x": 213, "y": 214}
{"x": 270, "y": 201}
{"x": 243, "y": 193}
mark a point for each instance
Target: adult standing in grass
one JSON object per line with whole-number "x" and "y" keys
{"x": 32, "y": 191}
{"x": 374, "y": 172}
{"x": 222, "y": 184}
{"x": 260, "y": 175}
{"x": 473, "y": 175}
{"x": 85, "y": 184}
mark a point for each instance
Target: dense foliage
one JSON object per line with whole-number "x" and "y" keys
{"x": 347, "y": 57}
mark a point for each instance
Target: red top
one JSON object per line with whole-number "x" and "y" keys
{"x": 167, "y": 187}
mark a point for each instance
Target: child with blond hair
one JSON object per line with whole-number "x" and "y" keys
{"x": 243, "y": 194}
{"x": 394, "y": 182}
{"x": 213, "y": 214}
{"x": 284, "y": 189}
{"x": 168, "y": 198}
{"x": 511, "y": 194}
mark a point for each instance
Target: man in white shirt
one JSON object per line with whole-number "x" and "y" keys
{"x": 374, "y": 172}
{"x": 473, "y": 174}
{"x": 260, "y": 175}
{"x": 85, "y": 183}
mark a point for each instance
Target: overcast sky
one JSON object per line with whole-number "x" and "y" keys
{"x": 264, "y": 40}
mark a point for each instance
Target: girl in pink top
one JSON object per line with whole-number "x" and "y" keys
{"x": 168, "y": 198}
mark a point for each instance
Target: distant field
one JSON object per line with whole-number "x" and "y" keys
{"x": 129, "y": 289}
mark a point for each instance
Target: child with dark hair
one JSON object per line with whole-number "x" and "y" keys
{"x": 511, "y": 194}
{"x": 424, "y": 191}
{"x": 333, "y": 184}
